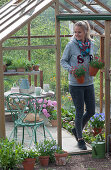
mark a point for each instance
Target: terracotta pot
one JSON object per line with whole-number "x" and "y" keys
{"x": 28, "y": 163}
{"x": 61, "y": 159}
{"x": 80, "y": 80}
{"x": 96, "y": 131}
{"x": 53, "y": 123}
{"x": 31, "y": 68}
{"x": 36, "y": 67}
{"x": 20, "y": 69}
{"x": 44, "y": 160}
{"x": 93, "y": 71}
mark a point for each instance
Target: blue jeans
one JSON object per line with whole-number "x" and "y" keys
{"x": 81, "y": 95}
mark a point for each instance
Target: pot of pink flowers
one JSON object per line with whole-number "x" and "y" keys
{"x": 50, "y": 111}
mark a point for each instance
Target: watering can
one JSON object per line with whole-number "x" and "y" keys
{"x": 98, "y": 149}
{"x": 24, "y": 84}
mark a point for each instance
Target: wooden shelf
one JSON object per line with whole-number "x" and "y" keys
{"x": 34, "y": 73}
{"x": 21, "y": 73}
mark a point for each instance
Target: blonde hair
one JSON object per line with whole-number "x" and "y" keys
{"x": 86, "y": 27}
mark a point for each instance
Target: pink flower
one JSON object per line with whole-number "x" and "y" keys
{"x": 45, "y": 101}
{"x": 49, "y": 103}
{"x": 40, "y": 100}
{"x": 44, "y": 111}
{"x": 44, "y": 105}
{"x": 47, "y": 115}
{"x": 54, "y": 103}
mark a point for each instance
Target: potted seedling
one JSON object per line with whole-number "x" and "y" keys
{"x": 29, "y": 65}
{"x": 35, "y": 65}
{"x": 20, "y": 64}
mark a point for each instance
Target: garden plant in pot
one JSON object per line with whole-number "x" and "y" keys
{"x": 97, "y": 123}
{"x": 29, "y": 157}
{"x": 35, "y": 65}
{"x": 46, "y": 150}
{"x": 20, "y": 64}
{"x": 10, "y": 154}
{"x": 29, "y": 65}
{"x": 60, "y": 156}
{"x": 49, "y": 110}
{"x": 94, "y": 65}
{"x": 79, "y": 73}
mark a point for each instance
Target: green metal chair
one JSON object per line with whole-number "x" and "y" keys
{"x": 25, "y": 110}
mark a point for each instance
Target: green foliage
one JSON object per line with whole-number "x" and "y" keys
{"x": 98, "y": 120}
{"x": 78, "y": 71}
{"x": 11, "y": 67}
{"x": 28, "y": 153}
{"x": 53, "y": 115}
{"x": 97, "y": 63}
{"x": 20, "y": 62}
{"x": 68, "y": 118}
{"x": 7, "y": 60}
{"x": 9, "y": 154}
{"x": 47, "y": 147}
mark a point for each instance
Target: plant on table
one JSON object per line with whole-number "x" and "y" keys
{"x": 20, "y": 62}
{"x": 8, "y": 60}
{"x": 29, "y": 65}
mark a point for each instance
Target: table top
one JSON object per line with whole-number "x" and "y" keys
{"x": 43, "y": 94}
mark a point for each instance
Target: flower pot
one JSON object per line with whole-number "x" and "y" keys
{"x": 53, "y": 123}
{"x": 96, "y": 130}
{"x": 80, "y": 80}
{"x": 28, "y": 163}
{"x": 36, "y": 67}
{"x": 61, "y": 158}
{"x": 21, "y": 69}
{"x": 93, "y": 71}
{"x": 44, "y": 160}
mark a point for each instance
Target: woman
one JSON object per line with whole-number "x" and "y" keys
{"x": 79, "y": 51}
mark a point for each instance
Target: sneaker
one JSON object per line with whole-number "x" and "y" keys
{"x": 74, "y": 133}
{"x": 82, "y": 145}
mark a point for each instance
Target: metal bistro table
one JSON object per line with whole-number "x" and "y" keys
{"x": 43, "y": 94}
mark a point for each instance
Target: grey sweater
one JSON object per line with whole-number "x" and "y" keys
{"x": 71, "y": 56}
